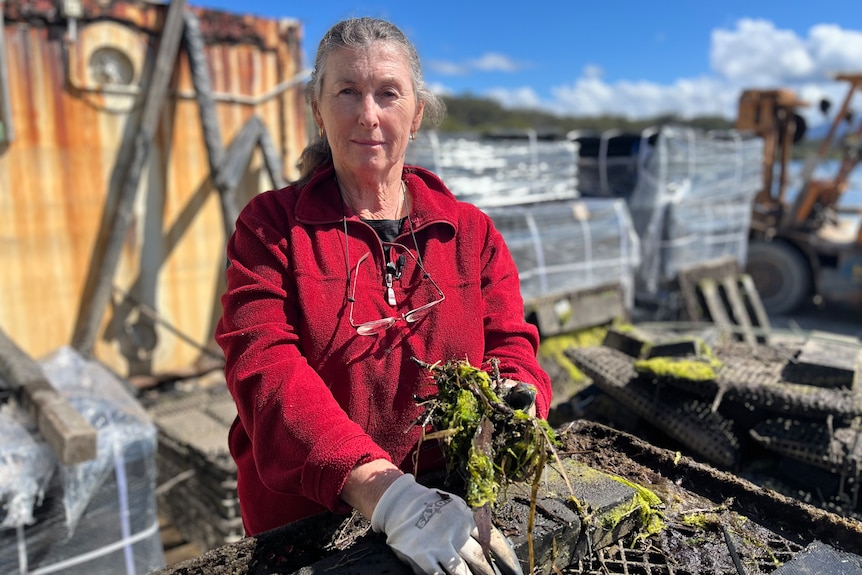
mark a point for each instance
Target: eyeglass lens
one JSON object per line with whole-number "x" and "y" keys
{"x": 380, "y": 325}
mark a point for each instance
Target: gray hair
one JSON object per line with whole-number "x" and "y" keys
{"x": 361, "y": 33}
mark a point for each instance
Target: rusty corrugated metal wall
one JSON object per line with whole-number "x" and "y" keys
{"x": 77, "y": 79}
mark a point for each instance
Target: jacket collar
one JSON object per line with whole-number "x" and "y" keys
{"x": 319, "y": 200}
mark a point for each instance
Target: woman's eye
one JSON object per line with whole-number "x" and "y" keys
{"x": 389, "y": 93}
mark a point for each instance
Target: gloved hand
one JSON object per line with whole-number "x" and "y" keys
{"x": 434, "y": 532}
{"x": 519, "y": 395}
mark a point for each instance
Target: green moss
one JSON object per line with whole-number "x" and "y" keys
{"x": 763, "y": 546}
{"x": 516, "y": 448}
{"x": 482, "y": 488}
{"x": 697, "y": 520}
{"x": 691, "y": 369}
{"x": 646, "y": 504}
{"x": 702, "y": 367}
{"x": 627, "y": 328}
{"x": 554, "y": 348}
{"x": 716, "y": 519}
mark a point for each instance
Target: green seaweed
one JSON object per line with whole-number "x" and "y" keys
{"x": 520, "y": 442}
{"x": 554, "y": 348}
{"x": 482, "y": 487}
{"x": 679, "y": 368}
{"x": 699, "y": 520}
{"x": 647, "y": 504}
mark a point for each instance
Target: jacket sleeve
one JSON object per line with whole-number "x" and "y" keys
{"x": 303, "y": 442}
{"x": 508, "y": 336}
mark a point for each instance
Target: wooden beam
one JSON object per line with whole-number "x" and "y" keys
{"x": 70, "y": 435}
{"x": 753, "y": 301}
{"x": 578, "y": 309}
{"x": 737, "y": 306}
{"x": 714, "y": 303}
{"x": 106, "y": 261}
{"x": 7, "y": 129}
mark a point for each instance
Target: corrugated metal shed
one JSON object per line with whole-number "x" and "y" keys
{"x": 77, "y": 75}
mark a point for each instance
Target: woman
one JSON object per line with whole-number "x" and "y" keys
{"x": 334, "y": 284}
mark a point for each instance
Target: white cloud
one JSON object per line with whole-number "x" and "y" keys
{"x": 488, "y": 62}
{"x": 447, "y": 68}
{"x": 753, "y": 54}
{"x": 758, "y": 54}
{"x": 834, "y": 49}
{"x": 593, "y": 71}
{"x": 688, "y": 97}
{"x": 492, "y": 62}
{"x": 524, "y": 97}
{"x": 440, "y": 89}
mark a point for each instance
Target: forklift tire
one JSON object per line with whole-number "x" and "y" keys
{"x": 781, "y": 275}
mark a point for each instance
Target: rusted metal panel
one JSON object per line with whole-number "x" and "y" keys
{"x": 76, "y": 88}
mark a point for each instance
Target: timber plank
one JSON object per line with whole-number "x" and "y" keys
{"x": 70, "y": 434}
{"x": 579, "y": 309}
{"x": 715, "y": 305}
{"x": 752, "y": 298}
{"x": 737, "y": 306}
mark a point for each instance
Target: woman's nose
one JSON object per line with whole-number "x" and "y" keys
{"x": 368, "y": 114}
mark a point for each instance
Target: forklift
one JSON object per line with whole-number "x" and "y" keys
{"x": 807, "y": 248}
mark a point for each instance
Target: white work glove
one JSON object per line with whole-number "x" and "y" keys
{"x": 434, "y": 532}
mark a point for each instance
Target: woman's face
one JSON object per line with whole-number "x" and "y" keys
{"x": 368, "y": 108}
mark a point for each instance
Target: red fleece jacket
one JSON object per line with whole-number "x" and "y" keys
{"x": 314, "y": 398}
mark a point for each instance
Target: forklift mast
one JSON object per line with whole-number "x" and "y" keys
{"x": 774, "y": 116}
{"x": 801, "y": 249}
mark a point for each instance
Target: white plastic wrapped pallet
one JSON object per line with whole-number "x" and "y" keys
{"x": 499, "y": 171}
{"x": 95, "y": 517}
{"x": 529, "y": 188}
{"x": 693, "y": 200}
{"x": 564, "y": 246}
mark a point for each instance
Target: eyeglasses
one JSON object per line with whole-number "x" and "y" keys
{"x": 380, "y": 325}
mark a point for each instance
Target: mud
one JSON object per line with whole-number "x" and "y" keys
{"x": 702, "y": 508}
{"x": 767, "y": 529}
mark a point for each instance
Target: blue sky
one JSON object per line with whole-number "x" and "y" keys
{"x": 636, "y": 59}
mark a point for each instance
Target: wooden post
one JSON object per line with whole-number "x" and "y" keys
{"x": 226, "y": 168}
{"x": 96, "y": 300}
{"x": 7, "y": 129}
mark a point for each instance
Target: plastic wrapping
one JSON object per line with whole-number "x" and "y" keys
{"x": 99, "y": 516}
{"x": 499, "y": 171}
{"x": 607, "y": 163}
{"x": 693, "y": 200}
{"x": 121, "y": 424}
{"x": 529, "y": 187}
{"x": 560, "y": 247}
{"x": 26, "y": 467}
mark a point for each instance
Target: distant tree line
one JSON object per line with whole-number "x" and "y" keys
{"x": 469, "y": 113}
